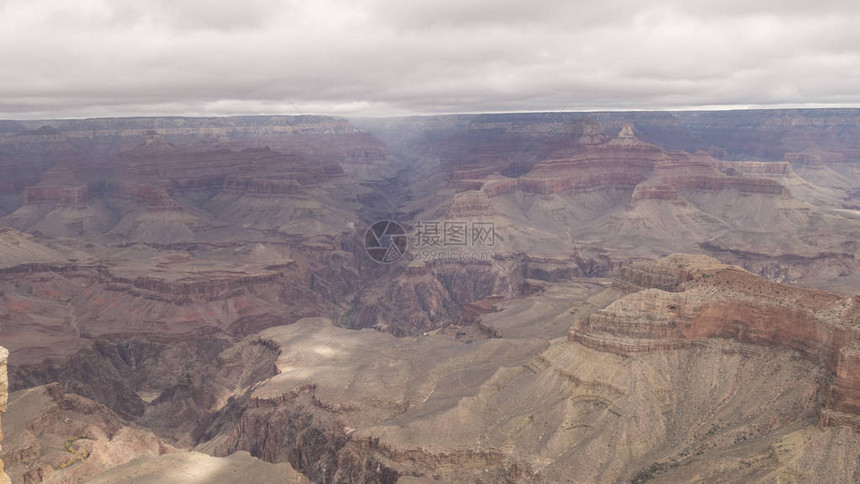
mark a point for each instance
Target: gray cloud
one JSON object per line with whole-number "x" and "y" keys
{"x": 372, "y": 57}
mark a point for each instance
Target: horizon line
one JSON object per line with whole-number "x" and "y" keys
{"x": 689, "y": 109}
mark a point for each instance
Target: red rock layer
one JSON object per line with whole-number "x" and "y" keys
{"x": 845, "y": 393}
{"x": 743, "y": 185}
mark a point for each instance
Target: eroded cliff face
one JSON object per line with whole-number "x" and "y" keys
{"x": 680, "y": 301}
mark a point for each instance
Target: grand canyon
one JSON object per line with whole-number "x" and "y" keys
{"x": 666, "y": 297}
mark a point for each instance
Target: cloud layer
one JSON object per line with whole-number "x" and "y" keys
{"x": 378, "y": 57}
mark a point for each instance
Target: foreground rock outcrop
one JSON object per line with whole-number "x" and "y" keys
{"x": 679, "y": 301}
{"x": 59, "y": 437}
{"x": 193, "y": 467}
{"x": 4, "y": 396}
{"x": 361, "y": 406}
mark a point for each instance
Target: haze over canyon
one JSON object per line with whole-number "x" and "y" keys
{"x": 646, "y": 296}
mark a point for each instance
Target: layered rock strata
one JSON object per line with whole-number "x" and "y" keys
{"x": 681, "y": 301}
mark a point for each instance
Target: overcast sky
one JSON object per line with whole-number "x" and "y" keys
{"x": 378, "y": 57}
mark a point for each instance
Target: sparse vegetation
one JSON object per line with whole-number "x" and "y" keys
{"x": 345, "y": 319}
{"x": 76, "y": 456}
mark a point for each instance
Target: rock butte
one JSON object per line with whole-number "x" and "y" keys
{"x": 680, "y": 300}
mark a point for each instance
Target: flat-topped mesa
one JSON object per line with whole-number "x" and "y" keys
{"x": 701, "y": 172}
{"x": 667, "y": 273}
{"x": 683, "y": 300}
